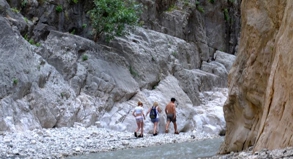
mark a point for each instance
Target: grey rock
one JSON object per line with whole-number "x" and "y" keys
{"x": 54, "y": 85}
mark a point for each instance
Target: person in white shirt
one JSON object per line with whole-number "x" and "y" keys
{"x": 139, "y": 117}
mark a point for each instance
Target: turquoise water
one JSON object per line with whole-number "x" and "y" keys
{"x": 186, "y": 150}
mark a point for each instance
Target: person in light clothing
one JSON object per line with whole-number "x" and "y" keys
{"x": 139, "y": 117}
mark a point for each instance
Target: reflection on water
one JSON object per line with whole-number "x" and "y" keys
{"x": 186, "y": 150}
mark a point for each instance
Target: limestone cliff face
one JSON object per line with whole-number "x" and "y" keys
{"x": 259, "y": 109}
{"x": 212, "y": 25}
{"x": 66, "y": 79}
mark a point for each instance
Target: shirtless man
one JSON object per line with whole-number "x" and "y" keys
{"x": 170, "y": 110}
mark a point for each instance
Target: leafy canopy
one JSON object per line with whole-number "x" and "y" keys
{"x": 111, "y": 17}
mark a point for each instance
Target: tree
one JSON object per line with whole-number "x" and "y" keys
{"x": 111, "y": 17}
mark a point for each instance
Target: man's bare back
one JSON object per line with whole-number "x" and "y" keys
{"x": 170, "y": 111}
{"x": 170, "y": 108}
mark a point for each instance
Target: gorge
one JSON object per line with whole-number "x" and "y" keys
{"x": 54, "y": 75}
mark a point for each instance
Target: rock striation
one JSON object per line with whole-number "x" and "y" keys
{"x": 258, "y": 110}
{"x": 65, "y": 78}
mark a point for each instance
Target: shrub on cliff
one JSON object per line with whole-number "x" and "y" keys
{"x": 111, "y": 17}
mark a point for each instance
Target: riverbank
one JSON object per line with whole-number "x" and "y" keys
{"x": 64, "y": 142}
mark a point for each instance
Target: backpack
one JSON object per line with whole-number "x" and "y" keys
{"x": 153, "y": 113}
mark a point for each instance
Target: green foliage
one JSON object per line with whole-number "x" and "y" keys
{"x": 133, "y": 72}
{"x": 197, "y": 2}
{"x": 231, "y": 1}
{"x": 84, "y": 25}
{"x": 59, "y": 8}
{"x": 75, "y": 1}
{"x": 171, "y": 8}
{"x": 174, "y": 53}
{"x": 15, "y": 10}
{"x": 26, "y": 37}
{"x": 84, "y": 57}
{"x": 15, "y": 81}
{"x": 186, "y": 3}
{"x": 212, "y": 1}
{"x": 72, "y": 32}
{"x": 31, "y": 41}
{"x": 111, "y": 17}
{"x": 226, "y": 15}
{"x": 62, "y": 94}
{"x": 23, "y": 3}
{"x": 25, "y": 19}
{"x": 200, "y": 9}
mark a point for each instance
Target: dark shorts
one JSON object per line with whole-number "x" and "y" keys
{"x": 170, "y": 117}
{"x": 155, "y": 120}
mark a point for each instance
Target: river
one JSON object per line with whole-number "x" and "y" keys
{"x": 186, "y": 150}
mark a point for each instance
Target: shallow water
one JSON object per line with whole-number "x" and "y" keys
{"x": 186, "y": 150}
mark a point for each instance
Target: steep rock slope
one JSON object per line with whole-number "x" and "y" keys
{"x": 66, "y": 79}
{"x": 258, "y": 111}
{"x": 210, "y": 25}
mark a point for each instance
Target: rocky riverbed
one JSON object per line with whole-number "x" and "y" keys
{"x": 78, "y": 140}
{"x": 64, "y": 142}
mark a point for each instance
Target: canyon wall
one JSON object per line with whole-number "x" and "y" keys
{"x": 258, "y": 110}
{"x": 55, "y": 75}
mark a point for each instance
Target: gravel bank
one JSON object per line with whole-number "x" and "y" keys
{"x": 64, "y": 142}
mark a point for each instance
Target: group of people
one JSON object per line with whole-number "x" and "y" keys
{"x": 139, "y": 115}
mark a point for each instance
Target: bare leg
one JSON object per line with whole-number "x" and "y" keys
{"x": 137, "y": 127}
{"x": 155, "y": 127}
{"x": 167, "y": 126}
{"x": 175, "y": 127}
{"x": 141, "y": 126}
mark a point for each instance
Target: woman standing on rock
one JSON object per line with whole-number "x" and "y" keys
{"x": 139, "y": 116}
{"x": 154, "y": 111}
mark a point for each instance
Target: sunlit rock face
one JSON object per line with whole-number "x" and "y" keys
{"x": 259, "y": 110}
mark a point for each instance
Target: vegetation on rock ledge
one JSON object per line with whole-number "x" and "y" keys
{"x": 111, "y": 17}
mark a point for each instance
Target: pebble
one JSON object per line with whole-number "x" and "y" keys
{"x": 64, "y": 142}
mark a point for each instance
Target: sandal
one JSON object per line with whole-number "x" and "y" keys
{"x": 135, "y": 134}
{"x": 140, "y": 135}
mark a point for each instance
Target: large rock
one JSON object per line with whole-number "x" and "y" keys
{"x": 68, "y": 79}
{"x": 259, "y": 111}
{"x": 213, "y": 25}
{"x": 26, "y": 77}
{"x": 206, "y": 118}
